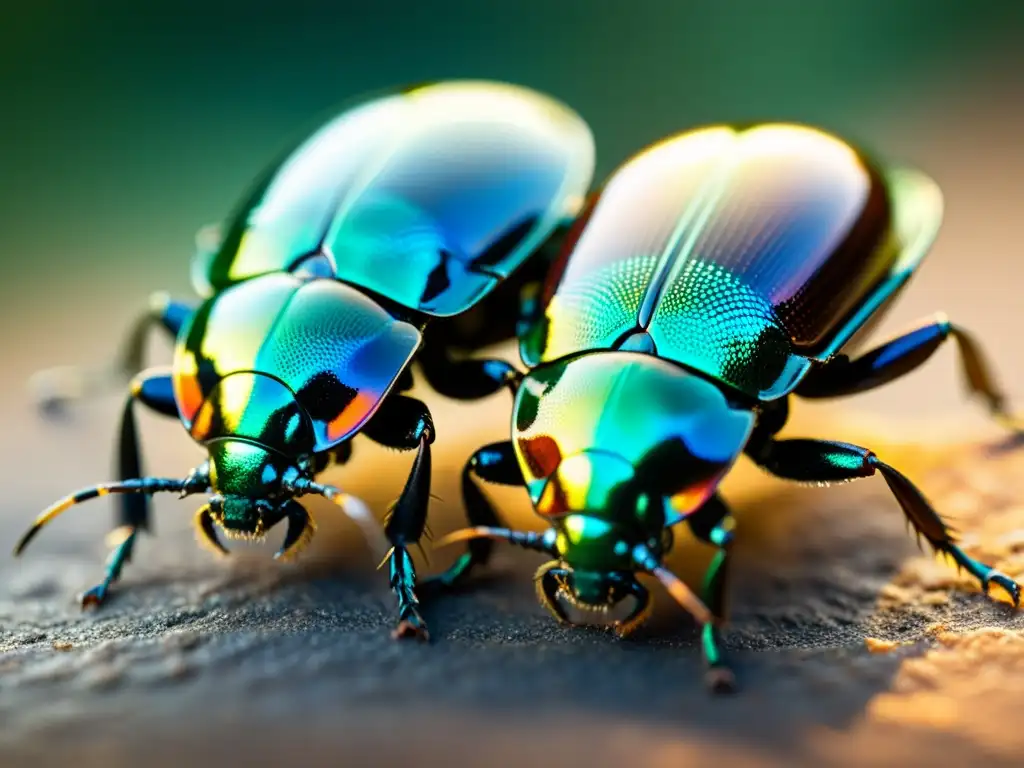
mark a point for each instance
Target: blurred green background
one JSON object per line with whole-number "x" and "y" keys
{"x": 127, "y": 125}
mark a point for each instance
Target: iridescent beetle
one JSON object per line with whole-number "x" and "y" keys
{"x": 408, "y": 208}
{"x": 718, "y": 272}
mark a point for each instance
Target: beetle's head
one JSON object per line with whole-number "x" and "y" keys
{"x": 592, "y": 591}
{"x": 248, "y": 481}
{"x": 597, "y": 522}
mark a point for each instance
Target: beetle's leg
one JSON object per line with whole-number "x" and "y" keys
{"x": 154, "y": 389}
{"x": 468, "y": 378}
{"x": 825, "y": 461}
{"x": 54, "y": 388}
{"x": 494, "y": 463}
{"x": 843, "y": 376}
{"x": 404, "y": 423}
{"x": 475, "y": 378}
{"x": 714, "y": 524}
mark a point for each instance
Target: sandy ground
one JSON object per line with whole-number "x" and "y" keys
{"x": 852, "y": 648}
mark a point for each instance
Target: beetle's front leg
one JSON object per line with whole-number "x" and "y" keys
{"x": 54, "y": 388}
{"x": 825, "y": 461}
{"x": 842, "y": 376}
{"x": 404, "y": 423}
{"x": 714, "y": 524}
{"x": 154, "y": 390}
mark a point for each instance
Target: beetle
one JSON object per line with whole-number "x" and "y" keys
{"x": 408, "y": 208}
{"x": 718, "y": 273}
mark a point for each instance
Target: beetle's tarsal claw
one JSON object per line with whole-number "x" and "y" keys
{"x": 1004, "y": 582}
{"x": 206, "y": 531}
{"x": 985, "y": 574}
{"x": 412, "y": 628}
{"x": 94, "y": 598}
{"x": 411, "y": 625}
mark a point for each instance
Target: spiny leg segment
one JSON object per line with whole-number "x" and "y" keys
{"x": 825, "y": 461}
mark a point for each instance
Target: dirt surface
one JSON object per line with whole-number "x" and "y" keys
{"x": 852, "y": 648}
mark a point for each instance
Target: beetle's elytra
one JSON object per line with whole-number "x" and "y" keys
{"x": 717, "y": 274}
{"x": 323, "y": 287}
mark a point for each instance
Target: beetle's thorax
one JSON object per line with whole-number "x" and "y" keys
{"x": 617, "y": 437}
{"x": 296, "y": 364}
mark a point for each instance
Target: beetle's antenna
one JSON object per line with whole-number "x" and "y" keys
{"x": 683, "y": 594}
{"x": 354, "y": 508}
{"x": 645, "y": 560}
{"x": 541, "y": 542}
{"x": 137, "y": 485}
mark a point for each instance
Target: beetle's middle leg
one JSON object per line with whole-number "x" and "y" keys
{"x": 154, "y": 389}
{"x": 825, "y": 461}
{"x": 405, "y": 423}
{"x": 713, "y": 524}
{"x": 842, "y": 376}
{"x": 55, "y": 388}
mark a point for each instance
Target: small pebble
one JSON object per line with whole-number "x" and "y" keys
{"x": 876, "y": 645}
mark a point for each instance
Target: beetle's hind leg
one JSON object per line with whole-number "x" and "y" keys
{"x": 154, "y": 389}
{"x": 55, "y": 388}
{"x": 842, "y": 376}
{"x": 825, "y": 461}
{"x": 714, "y": 524}
{"x": 494, "y": 463}
{"x": 405, "y": 423}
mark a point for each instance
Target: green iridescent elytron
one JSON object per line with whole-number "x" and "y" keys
{"x": 342, "y": 266}
{"x": 717, "y": 273}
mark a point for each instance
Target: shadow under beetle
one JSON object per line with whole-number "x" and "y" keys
{"x": 717, "y": 273}
{"x": 404, "y": 210}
